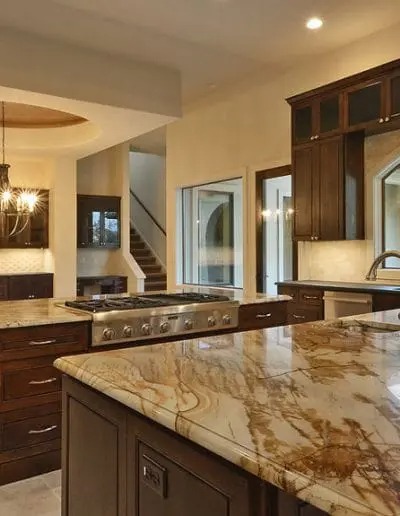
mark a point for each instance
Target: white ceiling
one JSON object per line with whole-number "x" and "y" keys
{"x": 209, "y": 41}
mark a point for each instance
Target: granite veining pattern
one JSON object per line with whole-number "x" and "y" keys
{"x": 311, "y": 408}
{"x": 36, "y": 312}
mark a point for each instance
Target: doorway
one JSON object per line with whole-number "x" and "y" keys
{"x": 276, "y": 251}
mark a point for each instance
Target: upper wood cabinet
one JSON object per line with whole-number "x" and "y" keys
{"x": 369, "y": 102}
{"x": 99, "y": 221}
{"x": 318, "y": 118}
{"x": 328, "y": 188}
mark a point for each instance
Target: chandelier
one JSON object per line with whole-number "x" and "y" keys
{"x": 16, "y": 204}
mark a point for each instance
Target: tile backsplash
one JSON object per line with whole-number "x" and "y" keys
{"x": 16, "y": 261}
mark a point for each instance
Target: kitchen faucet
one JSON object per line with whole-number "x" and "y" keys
{"x": 371, "y": 276}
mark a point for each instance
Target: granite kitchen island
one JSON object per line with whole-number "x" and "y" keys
{"x": 257, "y": 423}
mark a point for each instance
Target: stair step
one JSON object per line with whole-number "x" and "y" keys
{"x": 149, "y": 268}
{"x": 156, "y": 276}
{"x": 138, "y": 245}
{"x": 161, "y": 285}
{"x": 136, "y": 238}
{"x": 145, "y": 260}
{"x": 141, "y": 253}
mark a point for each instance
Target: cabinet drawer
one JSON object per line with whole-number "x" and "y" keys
{"x": 310, "y": 296}
{"x": 23, "y": 383}
{"x": 293, "y": 292}
{"x": 262, "y": 315}
{"x": 301, "y": 314}
{"x": 43, "y": 340}
{"x": 19, "y": 434}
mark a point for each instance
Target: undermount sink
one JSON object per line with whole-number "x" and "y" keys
{"x": 361, "y": 327}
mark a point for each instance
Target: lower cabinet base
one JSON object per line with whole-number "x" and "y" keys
{"x": 118, "y": 463}
{"x": 30, "y": 466}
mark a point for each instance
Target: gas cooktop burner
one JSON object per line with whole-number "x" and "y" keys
{"x": 152, "y": 316}
{"x": 117, "y": 303}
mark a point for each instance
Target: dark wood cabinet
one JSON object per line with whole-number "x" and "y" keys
{"x": 98, "y": 221}
{"x": 393, "y": 96}
{"x": 262, "y": 315}
{"x": 328, "y": 188}
{"x": 146, "y": 470}
{"x": 35, "y": 227}
{"x": 307, "y": 304}
{"x": 382, "y": 302}
{"x": 30, "y": 395}
{"x": 30, "y": 286}
{"x": 364, "y": 105}
{"x": 318, "y": 118}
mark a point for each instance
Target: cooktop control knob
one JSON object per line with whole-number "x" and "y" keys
{"x": 164, "y": 327}
{"x": 227, "y": 319}
{"x": 146, "y": 329}
{"x": 109, "y": 334}
{"x": 188, "y": 324}
{"x": 212, "y": 321}
{"x": 127, "y": 331}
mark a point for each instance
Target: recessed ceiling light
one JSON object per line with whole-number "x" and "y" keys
{"x": 314, "y": 23}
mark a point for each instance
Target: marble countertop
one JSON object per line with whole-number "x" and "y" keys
{"x": 311, "y": 408}
{"x": 36, "y": 312}
{"x": 367, "y": 287}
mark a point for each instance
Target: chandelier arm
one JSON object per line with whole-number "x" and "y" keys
{"x": 14, "y": 231}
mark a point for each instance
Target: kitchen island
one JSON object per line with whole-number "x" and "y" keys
{"x": 284, "y": 421}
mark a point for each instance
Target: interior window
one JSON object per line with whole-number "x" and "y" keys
{"x": 391, "y": 215}
{"x": 212, "y": 234}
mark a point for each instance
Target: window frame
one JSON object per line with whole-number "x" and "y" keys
{"x": 382, "y": 178}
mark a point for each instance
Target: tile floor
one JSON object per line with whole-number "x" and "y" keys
{"x": 37, "y": 496}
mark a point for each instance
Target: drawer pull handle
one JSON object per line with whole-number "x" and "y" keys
{"x": 43, "y": 431}
{"x": 42, "y": 342}
{"x": 311, "y": 297}
{"x": 298, "y": 316}
{"x": 264, "y": 316}
{"x": 42, "y": 382}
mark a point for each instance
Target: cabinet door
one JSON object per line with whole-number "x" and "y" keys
{"x": 365, "y": 105}
{"x": 89, "y": 222}
{"x": 19, "y": 287}
{"x": 111, "y": 229}
{"x": 331, "y": 189}
{"x": 42, "y": 286}
{"x": 330, "y": 115}
{"x": 393, "y": 96}
{"x": 303, "y": 168}
{"x": 303, "y": 122}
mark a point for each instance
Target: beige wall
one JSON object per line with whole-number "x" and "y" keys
{"x": 107, "y": 173}
{"x": 245, "y": 128}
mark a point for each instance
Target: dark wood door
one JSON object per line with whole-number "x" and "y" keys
{"x": 331, "y": 189}
{"x": 303, "y": 186}
{"x": 19, "y": 287}
{"x": 42, "y": 286}
{"x": 33, "y": 286}
{"x": 365, "y": 105}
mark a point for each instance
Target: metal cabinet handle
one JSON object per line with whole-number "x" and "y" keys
{"x": 42, "y": 342}
{"x": 387, "y": 119}
{"x": 381, "y": 120}
{"x": 310, "y": 297}
{"x": 263, "y": 316}
{"x": 43, "y": 431}
{"x": 298, "y": 316}
{"x": 42, "y": 382}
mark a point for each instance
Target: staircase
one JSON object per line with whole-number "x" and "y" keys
{"x": 156, "y": 279}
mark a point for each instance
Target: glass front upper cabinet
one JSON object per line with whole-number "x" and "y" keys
{"x": 319, "y": 118}
{"x": 98, "y": 221}
{"x": 394, "y": 95}
{"x": 365, "y": 105}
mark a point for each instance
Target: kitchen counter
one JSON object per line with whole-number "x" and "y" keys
{"x": 312, "y": 409}
{"x": 36, "y": 312}
{"x": 371, "y": 287}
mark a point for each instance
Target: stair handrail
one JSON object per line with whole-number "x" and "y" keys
{"x": 148, "y": 212}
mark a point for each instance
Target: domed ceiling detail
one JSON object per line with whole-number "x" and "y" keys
{"x": 25, "y": 116}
